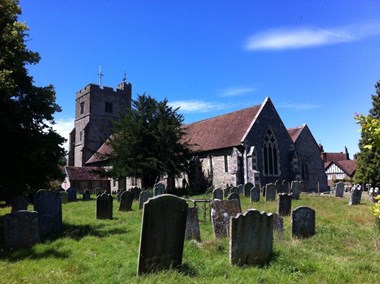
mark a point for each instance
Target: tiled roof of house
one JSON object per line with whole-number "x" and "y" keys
{"x": 295, "y": 132}
{"x": 348, "y": 166}
{"x": 84, "y": 173}
{"x": 222, "y": 131}
{"x": 334, "y": 156}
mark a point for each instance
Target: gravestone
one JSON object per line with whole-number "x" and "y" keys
{"x": 104, "y": 206}
{"x": 270, "y": 194}
{"x": 86, "y": 195}
{"x": 295, "y": 189}
{"x": 303, "y": 222}
{"x": 119, "y": 194}
{"x": 241, "y": 189}
{"x": 64, "y": 197}
{"x": 356, "y": 195}
{"x": 255, "y": 194}
{"x": 234, "y": 196}
{"x": 278, "y": 223}
{"x": 192, "y": 231}
{"x": 284, "y": 204}
{"x": 21, "y": 229}
{"x": 19, "y": 203}
{"x": 159, "y": 188}
{"x": 162, "y": 233}
{"x": 227, "y": 191}
{"x": 144, "y": 196}
{"x": 235, "y": 190}
{"x": 247, "y": 189}
{"x": 251, "y": 238}
{"x": 72, "y": 194}
{"x": 98, "y": 191}
{"x": 221, "y": 211}
{"x": 373, "y": 193}
{"x": 285, "y": 186}
{"x": 217, "y": 194}
{"x": 48, "y": 204}
{"x": 126, "y": 200}
{"x": 136, "y": 192}
{"x": 339, "y": 189}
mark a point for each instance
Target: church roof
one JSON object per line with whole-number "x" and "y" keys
{"x": 227, "y": 130}
{"x": 295, "y": 132}
{"x": 84, "y": 173}
{"x": 101, "y": 153}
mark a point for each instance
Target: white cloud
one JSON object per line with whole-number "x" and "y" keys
{"x": 64, "y": 127}
{"x": 196, "y": 106}
{"x": 236, "y": 91}
{"x": 301, "y": 37}
{"x": 298, "y": 106}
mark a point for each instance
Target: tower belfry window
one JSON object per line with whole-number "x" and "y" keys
{"x": 108, "y": 107}
{"x": 81, "y": 107}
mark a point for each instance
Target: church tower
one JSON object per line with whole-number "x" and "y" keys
{"x": 95, "y": 109}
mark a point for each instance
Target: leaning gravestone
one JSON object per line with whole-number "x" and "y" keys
{"x": 295, "y": 189}
{"x": 255, "y": 194}
{"x": 356, "y": 195}
{"x": 144, "y": 196}
{"x": 217, "y": 194}
{"x": 21, "y": 229}
{"x": 19, "y": 203}
{"x": 192, "y": 231}
{"x": 64, "y": 197}
{"x": 126, "y": 200}
{"x": 339, "y": 189}
{"x": 136, "y": 192}
{"x": 104, "y": 206}
{"x": 221, "y": 211}
{"x": 72, "y": 192}
{"x": 162, "y": 233}
{"x": 159, "y": 188}
{"x": 270, "y": 194}
{"x": 284, "y": 204}
{"x": 247, "y": 189}
{"x": 86, "y": 195}
{"x": 303, "y": 222}
{"x": 278, "y": 223}
{"x": 48, "y": 204}
{"x": 251, "y": 238}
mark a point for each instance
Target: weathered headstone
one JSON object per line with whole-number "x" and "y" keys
{"x": 285, "y": 186}
{"x": 295, "y": 189}
{"x": 192, "y": 225}
{"x": 98, "y": 191}
{"x": 284, "y": 204}
{"x": 356, "y": 195}
{"x": 72, "y": 192}
{"x": 235, "y": 190}
{"x": 126, "y": 200}
{"x": 118, "y": 195}
{"x": 278, "y": 223}
{"x": 159, "y": 188}
{"x": 48, "y": 204}
{"x": 339, "y": 189}
{"x": 255, "y": 194}
{"x": 162, "y": 233}
{"x": 104, "y": 206}
{"x": 86, "y": 195}
{"x": 144, "y": 196}
{"x": 217, "y": 194}
{"x": 303, "y": 222}
{"x": 64, "y": 197}
{"x": 221, "y": 211}
{"x": 241, "y": 189}
{"x": 234, "y": 196}
{"x": 251, "y": 238}
{"x": 270, "y": 194}
{"x": 21, "y": 229}
{"x": 247, "y": 189}
{"x": 19, "y": 203}
{"x": 136, "y": 192}
{"x": 227, "y": 191}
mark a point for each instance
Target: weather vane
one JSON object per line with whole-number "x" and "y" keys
{"x": 100, "y": 75}
{"x": 125, "y": 77}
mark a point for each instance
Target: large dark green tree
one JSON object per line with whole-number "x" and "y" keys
{"x": 148, "y": 142}
{"x": 368, "y": 160}
{"x": 30, "y": 150}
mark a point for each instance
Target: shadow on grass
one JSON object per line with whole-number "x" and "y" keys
{"x": 187, "y": 270}
{"x": 77, "y": 232}
{"x": 32, "y": 253}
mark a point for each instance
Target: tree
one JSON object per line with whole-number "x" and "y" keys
{"x": 368, "y": 160}
{"x": 30, "y": 150}
{"x": 148, "y": 142}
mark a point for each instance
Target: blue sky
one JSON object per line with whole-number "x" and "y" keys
{"x": 318, "y": 61}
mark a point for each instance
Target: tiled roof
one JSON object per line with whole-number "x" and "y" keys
{"x": 222, "y": 131}
{"x": 99, "y": 156}
{"x": 295, "y": 132}
{"x": 348, "y": 166}
{"x": 334, "y": 156}
{"x": 84, "y": 173}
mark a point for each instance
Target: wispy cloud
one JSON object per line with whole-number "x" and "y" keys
{"x": 299, "y": 106}
{"x": 64, "y": 127}
{"x": 196, "y": 106}
{"x": 302, "y": 37}
{"x": 236, "y": 91}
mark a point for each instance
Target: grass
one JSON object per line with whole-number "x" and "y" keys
{"x": 345, "y": 249}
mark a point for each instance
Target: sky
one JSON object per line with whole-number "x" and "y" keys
{"x": 318, "y": 61}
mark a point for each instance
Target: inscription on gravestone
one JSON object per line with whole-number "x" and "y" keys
{"x": 303, "y": 222}
{"x": 221, "y": 211}
{"x": 162, "y": 233}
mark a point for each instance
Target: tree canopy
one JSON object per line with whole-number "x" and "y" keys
{"x": 148, "y": 142}
{"x": 30, "y": 149}
{"x": 368, "y": 160}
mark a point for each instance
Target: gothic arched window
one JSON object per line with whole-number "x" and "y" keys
{"x": 271, "y": 155}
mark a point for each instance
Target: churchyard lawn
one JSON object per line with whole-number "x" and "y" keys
{"x": 345, "y": 249}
